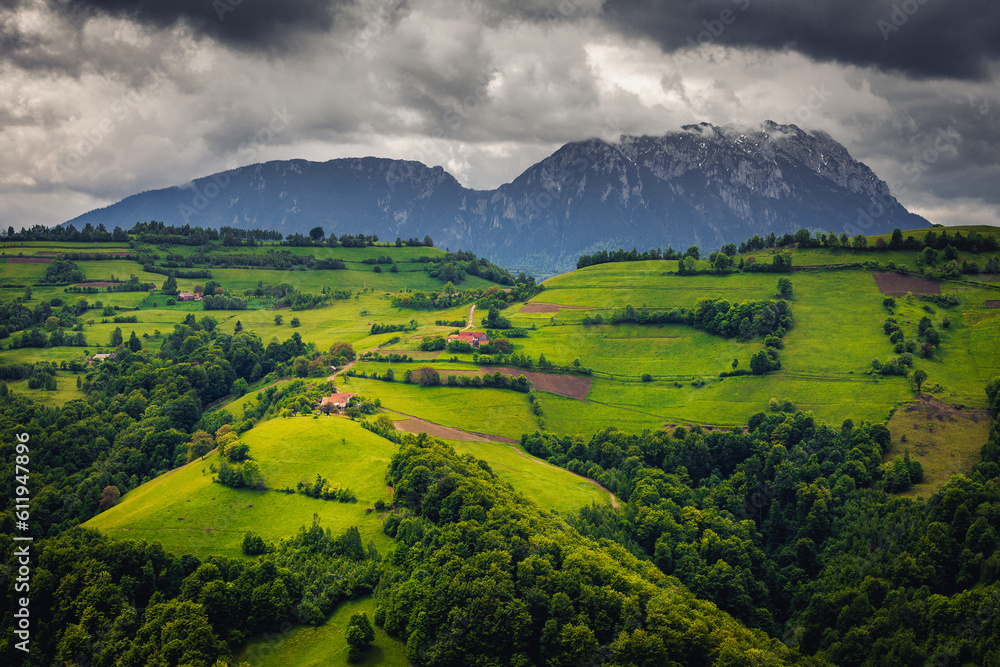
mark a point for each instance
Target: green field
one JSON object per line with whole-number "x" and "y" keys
{"x": 65, "y": 389}
{"x": 552, "y": 488}
{"x": 492, "y": 411}
{"x": 189, "y": 513}
{"x": 306, "y": 646}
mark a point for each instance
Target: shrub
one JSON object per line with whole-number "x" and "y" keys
{"x": 253, "y": 544}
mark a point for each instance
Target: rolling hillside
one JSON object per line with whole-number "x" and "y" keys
{"x": 655, "y": 417}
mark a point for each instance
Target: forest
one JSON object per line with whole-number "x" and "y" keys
{"x": 780, "y": 542}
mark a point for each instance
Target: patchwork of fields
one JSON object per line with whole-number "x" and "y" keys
{"x": 633, "y": 377}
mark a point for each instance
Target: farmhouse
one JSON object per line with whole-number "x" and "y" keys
{"x": 473, "y": 338}
{"x": 189, "y": 296}
{"x": 338, "y": 401}
{"x": 97, "y": 358}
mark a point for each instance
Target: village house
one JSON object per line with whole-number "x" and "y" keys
{"x": 189, "y": 296}
{"x": 337, "y": 401}
{"x": 97, "y": 358}
{"x": 473, "y": 338}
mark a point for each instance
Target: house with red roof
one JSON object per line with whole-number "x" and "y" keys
{"x": 473, "y": 338}
{"x": 337, "y": 401}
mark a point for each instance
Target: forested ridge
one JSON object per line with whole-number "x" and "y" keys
{"x": 137, "y": 420}
{"x": 774, "y": 546}
{"x": 789, "y": 527}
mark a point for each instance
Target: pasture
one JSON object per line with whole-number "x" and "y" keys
{"x": 189, "y": 513}
{"x": 324, "y": 646}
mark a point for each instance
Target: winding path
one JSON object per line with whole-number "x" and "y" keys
{"x": 472, "y": 314}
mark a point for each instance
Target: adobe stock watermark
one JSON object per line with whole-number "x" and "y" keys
{"x": 119, "y": 111}
{"x": 374, "y": 26}
{"x": 898, "y": 17}
{"x": 712, "y": 32}
{"x": 816, "y": 100}
{"x": 945, "y": 140}
{"x": 224, "y": 7}
{"x": 21, "y": 564}
{"x": 249, "y": 149}
{"x": 452, "y": 121}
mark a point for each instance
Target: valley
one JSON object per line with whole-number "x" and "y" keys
{"x": 678, "y": 435}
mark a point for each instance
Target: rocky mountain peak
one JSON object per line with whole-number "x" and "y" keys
{"x": 701, "y": 184}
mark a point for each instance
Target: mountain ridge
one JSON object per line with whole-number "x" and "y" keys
{"x": 702, "y": 185}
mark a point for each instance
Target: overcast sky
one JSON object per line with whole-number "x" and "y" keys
{"x": 100, "y": 99}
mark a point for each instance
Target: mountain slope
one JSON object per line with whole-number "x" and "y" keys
{"x": 702, "y": 185}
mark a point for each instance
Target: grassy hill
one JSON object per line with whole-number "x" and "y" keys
{"x": 189, "y": 513}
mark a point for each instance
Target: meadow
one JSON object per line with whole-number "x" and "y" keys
{"x": 551, "y": 488}
{"x": 826, "y": 357}
{"x": 944, "y": 440}
{"x": 323, "y": 646}
{"x": 491, "y": 411}
{"x": 188, "y": 512}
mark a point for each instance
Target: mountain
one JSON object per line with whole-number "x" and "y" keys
{"x": 703, "y": 185}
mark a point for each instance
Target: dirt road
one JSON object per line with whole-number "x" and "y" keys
{"x": 472, "y": 314}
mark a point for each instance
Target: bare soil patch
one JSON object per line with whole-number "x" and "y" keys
{"x": 933, "y": 409}
{"x": 894, "y": 284}
{"x": 96, "y": 283}
{"x": 414, "y": 425}
{"x": 992, "y": 303}
{"x": 542, "y": 307}
{"x": 29, "y": 260}
{"x": 417, "y": 425}
{"x": 574, "y": 386}
{"x": 564, "y": 385}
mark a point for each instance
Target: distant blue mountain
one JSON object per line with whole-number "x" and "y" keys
{"x": 702, "y": 185}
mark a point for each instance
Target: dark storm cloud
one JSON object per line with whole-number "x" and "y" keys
{"x": 920, "y": 38}
{"x": 250, "y": 24}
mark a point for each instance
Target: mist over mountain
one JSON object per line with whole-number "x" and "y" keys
{"x": 702, "y": 185}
